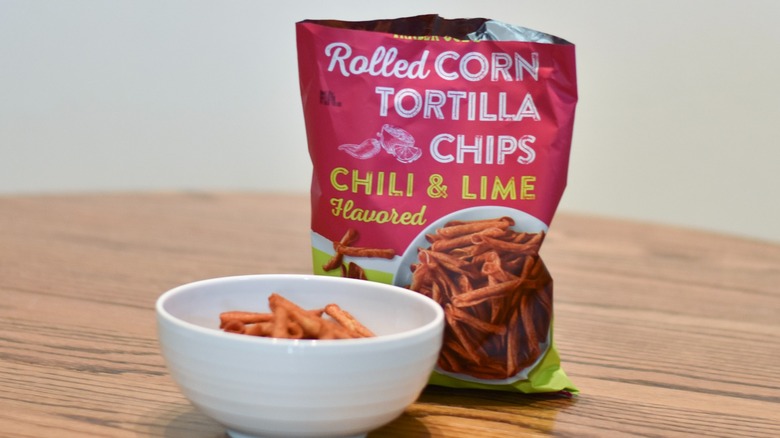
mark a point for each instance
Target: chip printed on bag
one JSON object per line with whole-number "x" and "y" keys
{"x": 440, "y": 152}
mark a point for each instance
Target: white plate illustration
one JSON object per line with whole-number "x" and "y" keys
{"x": 524, "y": 222}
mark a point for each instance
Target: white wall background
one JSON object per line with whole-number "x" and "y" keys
{"x": 677, "y": 121}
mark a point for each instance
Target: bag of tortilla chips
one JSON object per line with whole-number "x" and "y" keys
{"x": 440, "y": 151}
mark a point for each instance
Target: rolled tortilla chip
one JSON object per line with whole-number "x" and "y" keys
{"x": 346, "y": 320}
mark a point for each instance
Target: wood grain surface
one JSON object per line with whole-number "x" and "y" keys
{"x": 665, "y": 331}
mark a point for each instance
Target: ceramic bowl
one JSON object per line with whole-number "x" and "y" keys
{"x": 265, "y": 387}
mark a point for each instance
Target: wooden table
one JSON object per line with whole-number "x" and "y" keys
{"x": 666, "y": 331}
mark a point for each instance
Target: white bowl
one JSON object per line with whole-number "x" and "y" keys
{"x": 263, "y": 387}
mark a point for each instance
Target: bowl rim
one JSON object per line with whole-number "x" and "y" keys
{"x": 436, "y": 323}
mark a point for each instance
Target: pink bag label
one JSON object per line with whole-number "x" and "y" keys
{"x": 404, "y": 131}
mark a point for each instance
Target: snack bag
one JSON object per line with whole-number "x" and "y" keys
{"x": 440, "y": 151}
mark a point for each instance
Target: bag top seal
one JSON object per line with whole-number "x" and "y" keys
{"x": 469, "y": 29}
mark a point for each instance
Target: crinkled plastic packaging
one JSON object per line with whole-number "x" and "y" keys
{"x": 440, "y": 151}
